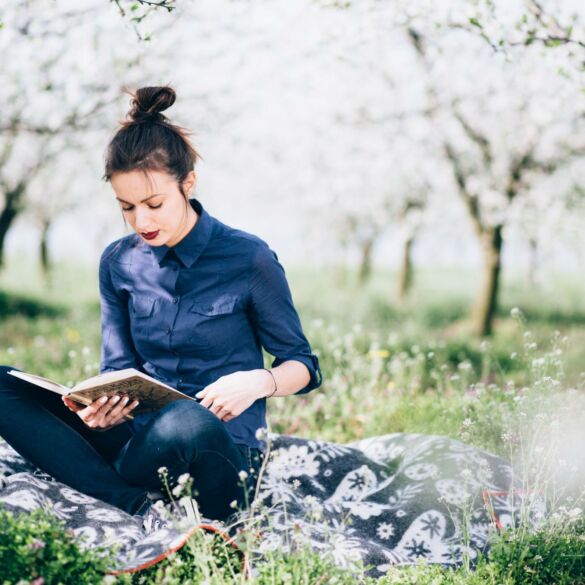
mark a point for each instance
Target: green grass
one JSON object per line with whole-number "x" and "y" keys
{"x": 387, "y": 368}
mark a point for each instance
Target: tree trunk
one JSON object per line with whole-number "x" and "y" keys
{"x": 44, "y": 251}
{"x": 487, "y": 302}
{"x": 533, "y": 262}
{"x": 12, "y": 207}
{"x": 405, "y": 274}
{"x": 365, "y": 269}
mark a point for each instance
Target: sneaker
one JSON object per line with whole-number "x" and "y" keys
{"x": 154, "y": 519}
{"x": 182, "y": 514}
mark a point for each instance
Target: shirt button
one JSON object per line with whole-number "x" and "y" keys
{"x": 181, "y": 380}
{"x": 175, "y": 300}
{"x": 168, "y": 330}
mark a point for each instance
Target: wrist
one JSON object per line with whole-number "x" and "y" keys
{"x": 268, "y": 385}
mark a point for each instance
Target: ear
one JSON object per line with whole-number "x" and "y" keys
{"x": 189, "y": 182}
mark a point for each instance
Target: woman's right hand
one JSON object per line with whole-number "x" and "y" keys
{"x": 104, "y": 413}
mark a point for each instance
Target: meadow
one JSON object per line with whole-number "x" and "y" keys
{"x": 387, "y": 368}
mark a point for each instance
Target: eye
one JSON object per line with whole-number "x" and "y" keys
{"x": 150, "y": 207}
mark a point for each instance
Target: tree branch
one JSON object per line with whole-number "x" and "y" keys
{"x": 470, "y": 201}
{"x": 479, "y": 139}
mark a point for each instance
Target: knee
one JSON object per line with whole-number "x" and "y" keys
{"x": 187, "y": 424}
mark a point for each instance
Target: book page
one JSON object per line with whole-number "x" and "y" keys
{"x": 109, "y": 377}
{"x": 152, "y": 396}
{"x": 40, "y": 381}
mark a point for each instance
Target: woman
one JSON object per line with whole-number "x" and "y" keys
{"x": 190, "y": 301}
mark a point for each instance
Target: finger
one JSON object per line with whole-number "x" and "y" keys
{"x": 224, "y": 414}
{"x": 107, "y": 405}
{"x": 206, "y": 391}
{"x": 99, "y": 418}
{"x": 129, "y": 409}
{"x": 124, "y": 407}
{"x": 116, "y": 411}
{"x": 228, "y": 417}
{"x": 208, "y": 400}
{"x": 90, "y": 410}
{"x": 72, "y": 404}
{"x": 216, "y": 407}
{"x": 116, "y": 415}
{"x": 117, "y": 407}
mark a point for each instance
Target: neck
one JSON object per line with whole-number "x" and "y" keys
{"x": 191, "y": 220}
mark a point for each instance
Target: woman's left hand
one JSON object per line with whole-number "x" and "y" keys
{"x": 230, "y": 395}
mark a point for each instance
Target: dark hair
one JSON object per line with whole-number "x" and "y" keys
{"x": 147, "y": 141}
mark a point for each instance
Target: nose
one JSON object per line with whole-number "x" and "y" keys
{"x": 143, "y": 221}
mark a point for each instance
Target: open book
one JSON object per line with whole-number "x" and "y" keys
{"x": 151, "y": 393}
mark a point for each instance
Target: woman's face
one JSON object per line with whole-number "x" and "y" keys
{"x": 154, "y": 206}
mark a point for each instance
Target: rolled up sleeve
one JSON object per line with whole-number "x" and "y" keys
{"x": 117, "y": 351}
{"x": 274, "y": 317}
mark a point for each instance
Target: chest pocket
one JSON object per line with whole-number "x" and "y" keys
{"x": 142, "y": 307}
{"x": 223, "y": 305}
{"x": 141, "y": 313}
{"x": 212, "y": 324}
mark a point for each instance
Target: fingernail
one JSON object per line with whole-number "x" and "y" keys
{"x": 135, "y": 404}
{"x": 104, "y": 399}
{"x": 116, "y": 399}
{"x": 126, "y": 399}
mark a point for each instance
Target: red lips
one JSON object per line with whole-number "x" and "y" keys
{"x": 149, "y": 235}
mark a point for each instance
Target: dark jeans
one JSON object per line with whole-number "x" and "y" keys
{"x": 120, "y": 467}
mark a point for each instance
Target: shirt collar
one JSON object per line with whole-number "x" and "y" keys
{"x": 193, "y": 244}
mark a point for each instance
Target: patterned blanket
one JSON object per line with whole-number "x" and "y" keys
{"x": 393, "y": 499}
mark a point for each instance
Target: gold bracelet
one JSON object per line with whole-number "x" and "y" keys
{"x": 275, "y": 386}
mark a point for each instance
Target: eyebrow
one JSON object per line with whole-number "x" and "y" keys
{"x": 143, "y": 201}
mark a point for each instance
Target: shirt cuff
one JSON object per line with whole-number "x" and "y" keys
{"x": 312, "y": 363}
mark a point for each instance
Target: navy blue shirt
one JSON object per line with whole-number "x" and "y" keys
{"x": 201, "y": 309}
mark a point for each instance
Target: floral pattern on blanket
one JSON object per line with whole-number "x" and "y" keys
{"x": 387, "y": 500}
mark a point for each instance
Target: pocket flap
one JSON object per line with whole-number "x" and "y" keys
{"x": 143, "y": 306}
{"x": 221, "y": 305}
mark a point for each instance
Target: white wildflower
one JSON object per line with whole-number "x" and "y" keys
{"x": 262, "y": 433}
{"x": 466, "y": 474}
{"x": 159, "y": 505}
{"x": 183, "y": 479}
{"x": 575, "y": 513}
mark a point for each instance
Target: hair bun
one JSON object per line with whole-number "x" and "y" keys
{"x": 149, "y": 102}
